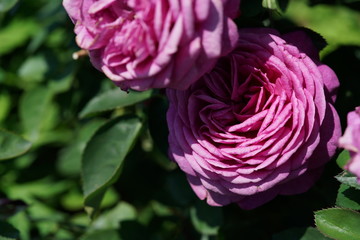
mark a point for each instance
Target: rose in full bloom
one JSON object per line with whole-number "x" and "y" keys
{"x": 260, "y": 124}
{"x": 351, "y": 141}
{"x": 142, "y": 44}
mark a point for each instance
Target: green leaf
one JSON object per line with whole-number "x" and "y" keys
{"x": 337, "y": 24}
{"x": 61, "y": 79}
{"x": 348, "y": 179}
{"x": 35, "y": 111}
{"x": 69, "y": 162}
{"x": 42, "y": 188}
{"x": 12, "y": 145}
{"x": 348, "y": 197}
{"x": 309, "y": 233}
{"x": 6, "y": 5}
{"x": 338, "y": 223}
{"x": 159, "y": 209}
{"x": 110, "y": 198}
{"x": 277, "y": 5}
{"x": 45, "y": 217}
{"x": 5, "y": 104}
{"x": 8, "y": 232}
{"x": 72, "y": 200}
{"x": 313, "y": 234}
{"x": 112, "y": 99}
{"x": 33, "y": 69}
{"x": 270, "y": 4}
{"x": 343, "y": 158}
{"x": 103, "y": 234}
{"x": 16, "y": 34}
{"x": 206, "y": 219}
{"x": 112, "y": 218}
{"x": 104, "y": 155}
{"x": 23, "y": 224}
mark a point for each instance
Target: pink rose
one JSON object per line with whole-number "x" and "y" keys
{"x": 351, "y": 141}
{"x": 261, "y": 123}
{"x": 142, "y": 44}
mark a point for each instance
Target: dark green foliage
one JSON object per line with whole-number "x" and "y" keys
{"x": 72, "y": 143}
{"x": 8, "y": 232}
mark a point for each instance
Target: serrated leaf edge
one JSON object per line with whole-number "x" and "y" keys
{"x": 326, "y": 209}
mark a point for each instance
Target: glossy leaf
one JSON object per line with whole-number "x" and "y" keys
{"x": 348, "y": 179}
{"x": 206, "y": 219}
{"x": 348, "y": 197}
{"x": 338, "y": 223}
{"x": 104, "y": 155}
{"x": 112, "y": 99}
{"x": 12, "y": 145}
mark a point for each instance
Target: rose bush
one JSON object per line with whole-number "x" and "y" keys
{"x": 261, "y": 123}
{"x": 351, "y": 141}
{"x": 142, "y": 44}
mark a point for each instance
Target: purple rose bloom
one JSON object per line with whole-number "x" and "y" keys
{"x": 261, "y": 123}
{"x": 351, "y": 141}
{"x": 142, "y": 44}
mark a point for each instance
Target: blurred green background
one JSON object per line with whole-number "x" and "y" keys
{"x": 51, "y": 106}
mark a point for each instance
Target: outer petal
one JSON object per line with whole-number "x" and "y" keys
{"x": 330, "y": 80}
{"x": 72, "y": 7}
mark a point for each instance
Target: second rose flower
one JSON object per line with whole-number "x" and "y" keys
{"x": 261, "y": 123}
{"x": 142, "y": 44}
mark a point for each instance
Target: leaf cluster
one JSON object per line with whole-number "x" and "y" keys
{"x": 80, "y": 159}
